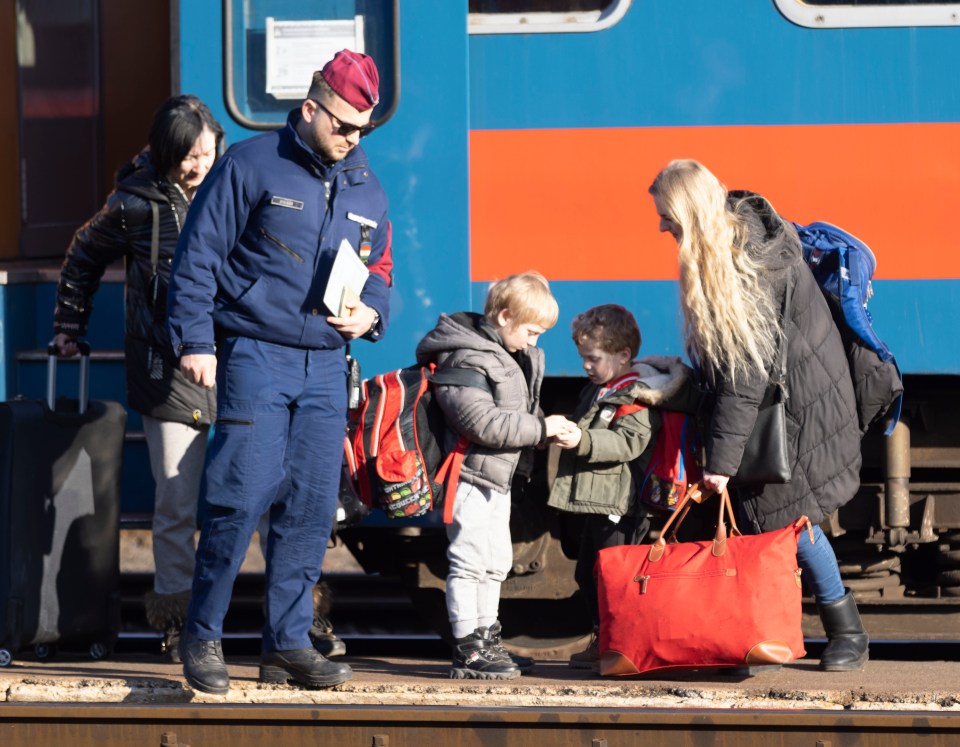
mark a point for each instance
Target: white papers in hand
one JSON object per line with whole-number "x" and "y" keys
{"x": 347, "y": 277}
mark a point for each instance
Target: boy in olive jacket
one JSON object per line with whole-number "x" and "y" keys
{"x": 618, "y": 422}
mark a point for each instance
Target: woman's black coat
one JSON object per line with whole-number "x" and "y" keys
{"x": 123, "y": 229}
{"x": 822, "y": 422}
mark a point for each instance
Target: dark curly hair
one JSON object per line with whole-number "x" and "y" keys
{"x": 610, "y": 327}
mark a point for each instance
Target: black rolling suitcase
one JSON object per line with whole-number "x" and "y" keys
{"x": 60, "y": 468}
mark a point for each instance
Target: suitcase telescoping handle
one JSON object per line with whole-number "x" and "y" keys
{"x": 52, "y": 356}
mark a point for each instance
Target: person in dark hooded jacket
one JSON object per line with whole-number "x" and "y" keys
{"x": 140, "y": 223}
{"x": 737, "y": 257}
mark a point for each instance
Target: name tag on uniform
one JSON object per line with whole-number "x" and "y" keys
{"x": 361, "y": 220}
{"x": 287, "y": 202}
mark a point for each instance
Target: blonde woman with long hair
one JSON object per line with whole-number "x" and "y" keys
{"x": 737, "y": 257}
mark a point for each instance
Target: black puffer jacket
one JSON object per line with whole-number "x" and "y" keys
{"x": 123, "y": 229}
{"x": 822, "y": 420}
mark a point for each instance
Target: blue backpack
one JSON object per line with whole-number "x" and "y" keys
{"x": 843, "y": 267}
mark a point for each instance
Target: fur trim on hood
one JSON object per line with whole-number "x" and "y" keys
{"x": 662, "y": 378}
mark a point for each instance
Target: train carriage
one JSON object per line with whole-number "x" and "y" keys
{"x": 523, "y": 134}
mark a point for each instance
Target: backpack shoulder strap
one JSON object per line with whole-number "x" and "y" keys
{"x": 460, "y": 377}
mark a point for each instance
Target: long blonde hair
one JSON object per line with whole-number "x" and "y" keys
{"x": 730, "y": 323}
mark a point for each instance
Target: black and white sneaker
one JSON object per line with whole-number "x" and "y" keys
{"x": 524, "y": 663}
{"x": 474, "y": 658}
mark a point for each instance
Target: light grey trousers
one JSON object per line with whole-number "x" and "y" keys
{"x": 480, "y": 555}
{"x": 177, "y": 453}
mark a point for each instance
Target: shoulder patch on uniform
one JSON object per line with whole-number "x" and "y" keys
{"x": 287, "y": 202}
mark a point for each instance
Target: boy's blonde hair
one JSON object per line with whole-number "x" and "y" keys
{"x": 525, "y": 297}
{"x": 610, "y": 327}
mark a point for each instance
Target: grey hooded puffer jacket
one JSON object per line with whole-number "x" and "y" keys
{"x": 501, "y": 424}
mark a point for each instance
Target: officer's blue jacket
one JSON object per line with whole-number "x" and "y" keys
{"x": 259, "y": 240}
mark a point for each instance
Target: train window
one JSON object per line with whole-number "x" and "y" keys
{"x": 869, "y": 13}
{"x": 543, "y": 16}
{"x": 272, "y": 47}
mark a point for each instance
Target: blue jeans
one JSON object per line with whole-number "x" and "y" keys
{"x": 277, "y": 446}
{"x": 819, "y": 565}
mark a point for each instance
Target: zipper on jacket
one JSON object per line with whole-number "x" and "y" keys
{"x": 326, "y": 193}
{"x": 270, "y": 237}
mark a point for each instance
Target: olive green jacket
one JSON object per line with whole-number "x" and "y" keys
{"x": 601, "y": 475}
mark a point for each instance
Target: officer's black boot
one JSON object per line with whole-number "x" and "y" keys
{"x": 847, "y": 641}
{"x": 474, "y": 658}
{"x": 203, "y": 664}
{"x": 305, "y": 666}
{"x": 524, "y": 663}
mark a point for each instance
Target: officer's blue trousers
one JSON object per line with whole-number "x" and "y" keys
{"x": 277, "y": 445}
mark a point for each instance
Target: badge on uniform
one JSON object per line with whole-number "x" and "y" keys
{"x": 365, "y": 225}
{"x": 364, "y": 250}
{"x": 287, "y": 202}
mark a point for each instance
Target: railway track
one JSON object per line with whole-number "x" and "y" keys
{"x": 56, "y": 725}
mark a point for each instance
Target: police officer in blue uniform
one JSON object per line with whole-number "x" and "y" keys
{"x": 246, "y": 312}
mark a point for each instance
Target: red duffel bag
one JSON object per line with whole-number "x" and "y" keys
{"x": 730, "y": 602}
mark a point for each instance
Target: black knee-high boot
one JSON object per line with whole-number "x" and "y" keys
{"x": 846, "y": 639}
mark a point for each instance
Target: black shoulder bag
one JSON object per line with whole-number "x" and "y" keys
{"x": 766, "y": 457}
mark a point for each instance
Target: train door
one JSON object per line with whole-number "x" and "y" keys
{"x": 84, "y": 89}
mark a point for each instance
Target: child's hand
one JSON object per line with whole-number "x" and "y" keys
{"x": 568, "y": 439}
{"x": 557, "y": 424}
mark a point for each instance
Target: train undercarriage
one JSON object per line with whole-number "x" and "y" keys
{"x": 897, "y": 542}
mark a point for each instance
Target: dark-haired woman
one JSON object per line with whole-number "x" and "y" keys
{"x": 140, "y": 223}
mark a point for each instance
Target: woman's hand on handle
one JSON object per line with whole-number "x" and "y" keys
{"x": 716, "y": 483}
{"x": 66, "y": 345}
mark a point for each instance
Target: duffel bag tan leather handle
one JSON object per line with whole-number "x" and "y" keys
{"x": 695, "y": 494}
{"x": 720, "y": 537}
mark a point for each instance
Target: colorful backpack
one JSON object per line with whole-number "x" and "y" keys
{"x": 843, "y": 266}
{"x": 395, "y": 456}
{"x": 674, "y": 463}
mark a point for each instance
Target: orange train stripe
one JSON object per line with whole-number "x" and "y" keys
{"x": 573, "y": 203}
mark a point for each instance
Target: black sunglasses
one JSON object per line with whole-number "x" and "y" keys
{"x": 344, "y": 128}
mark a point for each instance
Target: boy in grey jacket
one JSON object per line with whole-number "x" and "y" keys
{"x": 501, "y": 425}
{"x": 617, "y": 424}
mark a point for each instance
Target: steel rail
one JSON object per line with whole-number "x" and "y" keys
{"x": 215, "y": 725}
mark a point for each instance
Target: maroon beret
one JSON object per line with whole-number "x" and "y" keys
{"x": 354, "y": 78}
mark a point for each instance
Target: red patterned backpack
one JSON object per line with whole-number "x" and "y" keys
{"x": 395, "y": 455}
